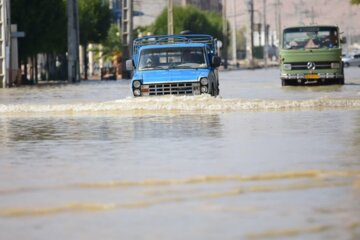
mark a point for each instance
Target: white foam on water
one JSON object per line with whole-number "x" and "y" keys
{"x": 202, "y": 103}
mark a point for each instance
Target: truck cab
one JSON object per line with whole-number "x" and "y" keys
{"x": 311, "y": 54}
{"x": 174, "y": 65}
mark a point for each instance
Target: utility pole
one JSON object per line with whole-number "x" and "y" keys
{"x": 5, "y": 41}
{"x": 225, "y": 42}
{"x": 234, "y": 50}
{"x": 250, "y": 50}
{"x": 266, "y": 43}
{"x": 278, "y": 20}
{"x": 126, "y": 28}
{"x": 280, "y": 25}
{"x": 348, "y": 30}
{"x": 170, "y": 17}
{"x": 312, "y": 15}
{"x": 257, "y": 26}
{"x": 73, "y": 41}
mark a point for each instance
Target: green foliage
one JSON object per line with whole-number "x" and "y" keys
{"x": 216, "y": 23}
{"x": 44, "y": 23}
{"x": 113, "y": 39}
{"x": 192, "y": 19}
{"x": 142, "y": 31}
{"x": 241, "y": 38}
{"x": 94, "y": 21}
{"x": 355, "y": 1}
{"x": 112, "y": 45}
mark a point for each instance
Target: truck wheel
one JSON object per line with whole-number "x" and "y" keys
{"x": 341, "y": 81}
{"x": 213, "y": 90}
{"x": 283, "y": 82}
{"x": 217, "y": 91}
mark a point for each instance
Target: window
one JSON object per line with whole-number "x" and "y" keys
{"x": 165, "y": 58}
{"x": 311, "y": 37}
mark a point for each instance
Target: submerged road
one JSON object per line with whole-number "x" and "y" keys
{"x": 260, "y": 161}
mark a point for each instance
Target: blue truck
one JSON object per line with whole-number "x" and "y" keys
{"x": 174, "y": 65}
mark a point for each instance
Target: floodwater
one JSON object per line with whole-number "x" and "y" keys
{"x": 261, "y": 161}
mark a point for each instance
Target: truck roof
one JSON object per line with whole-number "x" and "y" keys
{"x": 168, "y": 41}
{"x": 310, "y": 26}
{"x": 183, "y": 40}
{"x": 177, "y": 45}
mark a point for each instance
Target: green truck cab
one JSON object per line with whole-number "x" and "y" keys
{"x": 311, "y": 55}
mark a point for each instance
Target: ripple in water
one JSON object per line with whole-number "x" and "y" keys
{"x": 202, "y": 103}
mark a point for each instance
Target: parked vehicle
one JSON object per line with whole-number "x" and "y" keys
{"x": 174, "y": 64}
{"x": 351, "y": 60}
{"x": 311, "y": 54}
{"x": 108, "y": 73}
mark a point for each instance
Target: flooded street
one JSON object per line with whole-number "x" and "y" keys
{"x": 260, "y": 161}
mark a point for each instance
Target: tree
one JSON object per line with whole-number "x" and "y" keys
{"x": 112, "y": 45}
{"x": 355, "y": 1}
{"x": 44, "y": 23}
{"x": 241, "y": 38}
{"x": 192, "y": 19}
{"x": 94, "y": 21}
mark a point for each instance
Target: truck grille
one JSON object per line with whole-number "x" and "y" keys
{"x": 188, "y": 88}
{"x": 303, "y": 65}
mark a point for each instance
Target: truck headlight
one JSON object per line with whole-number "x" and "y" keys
{"x": 335, "y": 65}
{"x": 203, "y": 89}
{"x": 204, "y": 81}
{"x": 137, "y": 92}
{"x": 287, "y": 66}
{"x": 136, "y": 84}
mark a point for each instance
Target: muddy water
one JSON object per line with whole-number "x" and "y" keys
{"x": 87, "y": 161}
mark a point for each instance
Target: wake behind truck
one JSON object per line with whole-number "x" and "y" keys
{"x": 311, "y": 54}
{"x": 174, "y": 65}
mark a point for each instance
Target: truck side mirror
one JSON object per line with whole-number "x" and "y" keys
{"x": 216, "y": 61}
{"x": 129, "y": 65}
{"x": 343, "y": 40}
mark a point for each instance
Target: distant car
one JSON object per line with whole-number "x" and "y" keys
{"x": 108, "y": 73}
{"x": 351, "y": 60}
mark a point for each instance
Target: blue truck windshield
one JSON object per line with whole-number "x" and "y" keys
{"x": 310, "y": 38}
{"x": 166, "y": 58}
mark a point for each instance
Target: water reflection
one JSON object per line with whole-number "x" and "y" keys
{"x": 184, "y": 126}
{"x": 351, "y": 153}
{"x": 109, "y": 128}
{"x": 317, "y": 88}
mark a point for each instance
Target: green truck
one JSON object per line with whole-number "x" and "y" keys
{"x": 311, "y": 55}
